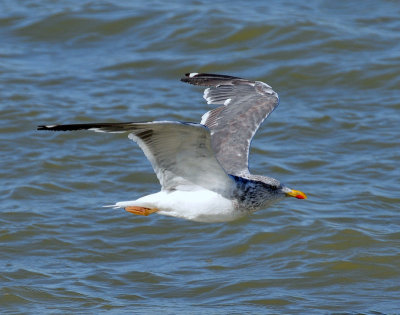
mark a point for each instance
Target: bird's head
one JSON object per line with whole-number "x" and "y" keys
{"x": 278, "y": 189}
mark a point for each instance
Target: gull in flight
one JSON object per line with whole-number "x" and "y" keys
{"x": 203, "y": 167}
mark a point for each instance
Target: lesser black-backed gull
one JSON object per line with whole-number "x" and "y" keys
{"x": 203, "y": 167}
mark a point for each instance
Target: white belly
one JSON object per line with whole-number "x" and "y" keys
{"x": 200, "y": 205}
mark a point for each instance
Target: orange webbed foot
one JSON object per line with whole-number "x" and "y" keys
{"x": 141, "y": 210}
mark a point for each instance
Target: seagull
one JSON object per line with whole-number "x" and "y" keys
{"x": 203, "y": 167}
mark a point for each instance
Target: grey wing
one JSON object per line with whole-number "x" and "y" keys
{"x": 180, "y": 153}
{"x": 245, "y": 105}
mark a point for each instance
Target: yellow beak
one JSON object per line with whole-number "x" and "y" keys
{"x": 297, "y": 194}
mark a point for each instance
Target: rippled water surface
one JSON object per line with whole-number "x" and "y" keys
{"x": 335, "y": 136}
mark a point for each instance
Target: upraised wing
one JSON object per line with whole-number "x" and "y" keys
{"x": 245, "y": 105}
{"x": 180, "y": 153}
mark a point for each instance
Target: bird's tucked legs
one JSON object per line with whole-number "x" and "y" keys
{"x": 141, "y": 210}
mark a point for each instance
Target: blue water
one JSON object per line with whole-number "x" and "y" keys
{"x": 335, "y": 136}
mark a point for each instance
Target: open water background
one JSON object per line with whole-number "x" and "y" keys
{"x": 335, "y": 136}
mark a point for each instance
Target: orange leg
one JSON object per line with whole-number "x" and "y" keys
{"x": 141, "y": 210}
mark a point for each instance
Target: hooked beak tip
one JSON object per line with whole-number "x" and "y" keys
{"x": 297, "y": 194}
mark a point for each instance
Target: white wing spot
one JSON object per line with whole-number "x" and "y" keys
{"x": 204, "y": 118}
{"x": 206, "y": 92}
{"x": 191, "y": 75}
{"x": 227, "y": 101}
{"x": 205, "y": 96}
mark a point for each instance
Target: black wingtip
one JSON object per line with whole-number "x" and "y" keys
{"x": 43, "y": 127}
{"x": 207, "y": 79}
{"x": 106, "y": 127}
{"x": 208, "y": 75}
{"x": 57, "y": 127}
{"x": 71, "y": 127}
